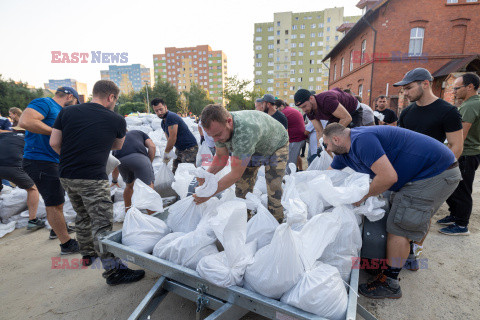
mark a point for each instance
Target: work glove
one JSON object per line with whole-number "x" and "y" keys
{"x": 319, "y": 151}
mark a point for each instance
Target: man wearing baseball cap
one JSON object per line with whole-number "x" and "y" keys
{"x": 268, "y": 105}
{"x": 40, "y": 161}
{"x": 431, "y": 116}
{"x": 332, "y": 105}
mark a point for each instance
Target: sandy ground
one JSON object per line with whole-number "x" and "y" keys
{"x": 449, "y": 288}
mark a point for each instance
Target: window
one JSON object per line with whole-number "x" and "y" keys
{"x": 341, "y": 69}
{"x": 360, "y": 90}
{"x": 270, "y": 46}
{"x": 329, "y": 19}
{"x": 314, "y": 26}
{"x": 452, "y": 1}
{"x": 416, "y": 41}
{"x": 278, "y": 32}
{"x": 293, "y": 53}
{"x": 302, "y": 26}
{"x": 300, "y": 54}
{"x": 259, "y": 29}
{"x": 300, "y": 62}
{"x": 300, "y": 44}
{"x": 364, "y": 48}
{"x": 294, "y": 36}
{"x": 258, "y": 56}
{"x": 293, "y": 62}
{"x": 328, "y": 29}
{"x": 286, "y": 32}
{"x": 320, "y": 34}
{"x": 472, "y": 0}
{"x": 312, "y": 44}
{"x": 312, "y": 70}
{"x": 312, "y": 53}
{"x": 302, "y": 36}
{"x": 256, "y": 39}
{"x": 312, "y": 35}
{"x": 310, "y": 79}
{"x": 328, "y": 38}
{"x": 336, "y": 38}
{"x": 258, "y": 64}
{"x": 270, "y": 29}
{"x": 270, "y": 55}
{"x": 278, "y": 41}
{"x": 334, "y": 72}
{"x": 270, "y": 37}
{"x": 270, "y": 80}
{"x": 278, "y": 23}
{"x": 258, "y": 47}
{"x": 294, "y": 27}
{"x": 286, "y": 40}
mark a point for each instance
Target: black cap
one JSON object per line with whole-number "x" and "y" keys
{"x": 418, "y": 74}
{"x": 301, "y": 96}
{"x": 267, "y": 98}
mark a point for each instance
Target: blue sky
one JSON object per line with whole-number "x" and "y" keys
{"x": 30, "y": 30}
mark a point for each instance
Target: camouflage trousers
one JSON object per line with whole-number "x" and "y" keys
{"x": 185, "y": 156}
{"x": 274, "y": 173}
{"x": 92, "y": 202}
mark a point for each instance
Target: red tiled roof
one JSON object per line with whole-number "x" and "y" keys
{"x": 345, "y": 26}
{"x": 363, "y": 3}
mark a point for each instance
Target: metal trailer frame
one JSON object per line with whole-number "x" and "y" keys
{"x": 228, "y": 303}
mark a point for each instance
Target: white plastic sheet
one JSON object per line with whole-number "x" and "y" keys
{"x": 338, "y": 188}
{"x": 6, "y": 228}
{"x": 141, "y": 231}
{"x": 296, "y": 211}
{"x": 372, "y": 209}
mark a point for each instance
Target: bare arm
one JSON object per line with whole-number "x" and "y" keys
{"x": 31, "y": 120}
{"x": 151, "y": 149}
{"x": 385, "y": 177}
{"x": 455, "y": 142}
{"x": 219, "y": 160}
{"x": 115, "y": 174}
{"x": 56, "y": 140}
{"x": 466, "y": 128}
{"x": 342, "y": 114}
{"x": 172, "y": 137}
{"x": 118, "y": 144}
{"x": 318, "y": 128}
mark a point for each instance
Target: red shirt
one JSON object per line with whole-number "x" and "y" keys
{"x": 296, "y": 125}
{"x": 327, "y": 103}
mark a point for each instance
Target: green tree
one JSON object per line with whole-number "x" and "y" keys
{"x": 168, "y": 92}
{"x": 16, "y": 95}
{"x": 240, "y": 94}
{"x": 131, "y": 107}
{"x": 197, "y": 98}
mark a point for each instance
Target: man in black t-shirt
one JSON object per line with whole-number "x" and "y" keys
{"x": 269, "y": 107}
{"x": 431, "y": 116}
{"x": 135, "y": 162}
{"x": 389, "y": 116}
{"x": 83, "y": 136}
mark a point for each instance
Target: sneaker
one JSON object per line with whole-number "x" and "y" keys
{"x": 411, "y": 263}
{"x": 53, "y": 235}
{"x": 448, "y": 220}
{"x": 88, "y": 260}
{"x": 35, "y": 224}
{"x": 455, "y": 230}
{"x": 69, "y": 247}
{"x": 121, "y": 276}
{"x": 381, "y": 287}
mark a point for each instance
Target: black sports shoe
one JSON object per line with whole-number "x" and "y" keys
{"x": 35, "y": 224}
{"x": 88, "y": 260}
{"x": 448, "y": 220}
{"x": 53, "y": 235}
{"x": 381, "y": 287}
{"x": 69, "y": 247}
{"x": 121, "y": 276}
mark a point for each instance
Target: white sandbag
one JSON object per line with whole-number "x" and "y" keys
{"x": 277, "y": 266}
{"x": 346, "y": 245}
{"x": 378, "y": 115}
{"x": 261, "y": 184}
{"x": 186, "y": 249}
{"x": 184, "y": 215}
{"x": 156, "y": 124}
{"x": 20, "y": 219}
{"x": 6, "y": 228}
{"x": 320, "y": 291}
{"x": 183, "y": 177}
{"x": 209, "y": 187}
{"x": 141, "y": 231}
{"x": 157, "y": 136}
{"x": 322, "y": 162}
{"x": 5, "y": 190}
{"x": 112, "y": 163}
{"x": 145, "y": 197}
{"x": 163, "y": 181}
{"x": 296, "y": 211}
{"x": 133, "y": 121}
{"x": 68, "y": 212}
{"x": 372, "y": 209}
{"x": 262, "y": 225}
{"x": 204, "y": 156}
{"x": 13, "y": 203}
{"x": 311, "y": 198}
{"x": 119, "y": 211}
{"x": 352, "y": 189}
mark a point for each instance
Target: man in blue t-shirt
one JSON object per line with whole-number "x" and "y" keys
{"x": 421, "y": 172}
{"x": 40, "y": 161}
{"x": 178, "y": 135}
{"x": 5, "y": 124}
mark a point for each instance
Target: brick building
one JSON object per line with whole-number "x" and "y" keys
{"x": 395, "y": 36}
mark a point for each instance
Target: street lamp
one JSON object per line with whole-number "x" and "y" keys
{"x": 148, "y": 100}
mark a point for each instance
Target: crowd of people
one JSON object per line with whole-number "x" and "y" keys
{"x": 425, "y": 156}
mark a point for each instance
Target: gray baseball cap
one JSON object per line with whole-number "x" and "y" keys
{"x": 267, "y": 98}
{"x": 418, "y": 74}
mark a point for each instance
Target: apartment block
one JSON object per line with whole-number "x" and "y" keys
{"x": 129, "y": 78}
{"x": 288, "y": 52}
{"x": 81, "y": 88}
{"x": 200, "y": 64}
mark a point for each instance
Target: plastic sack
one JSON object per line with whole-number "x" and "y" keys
{"x": 112, "y": 163}
{"x": 337, "y": 191}
{"x": 204, "y": 155}
{"x": 261, "y": 184}
{"x": 378, "y": 115}
{"x": 346, "y": 245}
{"x": 296, "y": 211}
{"x": 262, "y": 225}
{"x": 320, "y": 291}
{"x": 156, "y": 124}
{"x": 186, "y": 249}
{"x": 163, "y": 181}
{"x": 277, "y": 266}
{"x": 141, "y": 231}
{"x": 13, "y": 203}
{"x": 209, "y": 187}
{"x": 372, "y": 209}
{"x": 184, "y": 215}
{"x": 145, "y": 197}
{"x": 119, "y": 211}
{"x": 183, "y": 177}
{"x": 6, "y": 228}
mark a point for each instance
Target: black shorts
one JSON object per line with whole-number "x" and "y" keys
{"x": 46, "y": 177}
{"x": 16, "y": 175}
{"x": 136, "y": 165}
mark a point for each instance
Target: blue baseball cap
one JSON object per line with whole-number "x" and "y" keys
{"x": 69, "y": 90}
